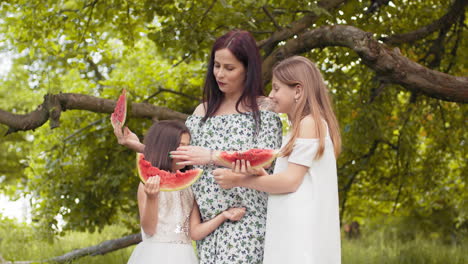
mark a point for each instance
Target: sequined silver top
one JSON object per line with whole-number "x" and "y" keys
{"x": 173, "y": 218}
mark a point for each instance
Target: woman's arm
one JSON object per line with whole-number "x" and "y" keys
{"x": 148, "y": 199}
{"x": 194, "y": 155}
{"x": 199, "y": 230}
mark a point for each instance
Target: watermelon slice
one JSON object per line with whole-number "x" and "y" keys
{"x": 169, "y": 181}
{"x": 258, "y": 157}
{"x": 120, "y": 111}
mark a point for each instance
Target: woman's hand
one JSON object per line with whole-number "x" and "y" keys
{"x": 192, "y": 155}
{"x": 152, "y": 187}
{"x": 234, "y": 213}
{"x": 228, "y": 179}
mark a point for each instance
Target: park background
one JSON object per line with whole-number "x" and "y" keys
{"x": 397, "y": 72}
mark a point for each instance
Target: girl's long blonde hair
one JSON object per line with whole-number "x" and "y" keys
{"x": 315, "y": 101}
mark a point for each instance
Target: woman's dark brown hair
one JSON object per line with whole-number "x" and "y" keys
{"x": 243, "y": 46}
{"x": 162, "y": 138}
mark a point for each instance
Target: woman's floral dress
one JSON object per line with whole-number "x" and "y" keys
{"x": 241, "y": 241}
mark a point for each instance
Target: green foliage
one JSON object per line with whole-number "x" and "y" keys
{"x": 403, "y": 154}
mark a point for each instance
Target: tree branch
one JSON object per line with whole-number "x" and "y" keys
{"x": 95, "y": 68}
{"x": 206, "y": 12}
{"x": 376, "y": 4}
{"x": 458, "y": 32}
{"x": 388, "y": 63}
{"x": 100, "y": 249}
{"x": 455, "y": 11}
{"x": 93, "y": 4}
{"x": 272, "y": 18}
{"x": 54, "y": 104}
{"x": 162, "y": 90}
{"x": 296, "y": 27}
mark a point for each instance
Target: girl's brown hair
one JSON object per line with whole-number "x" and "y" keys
{"x": 161, "y": 138}
{"x": 315, "y": 101}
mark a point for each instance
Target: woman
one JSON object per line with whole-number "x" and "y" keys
{"x": 229, "y": 119}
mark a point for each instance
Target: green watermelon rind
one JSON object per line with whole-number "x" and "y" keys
{"x": 115, "y": 121}
{"x": 199, "y": 172}
{"x": 224, "y": 155}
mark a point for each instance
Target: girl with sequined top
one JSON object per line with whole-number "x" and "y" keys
{"x": 169, "y": 220}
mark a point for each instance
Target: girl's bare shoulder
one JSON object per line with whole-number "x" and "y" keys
{"x": 307, "y": 127}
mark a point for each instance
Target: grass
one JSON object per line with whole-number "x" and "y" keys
{"x": 382, "y": 250}
{"x": 18, "y": 242}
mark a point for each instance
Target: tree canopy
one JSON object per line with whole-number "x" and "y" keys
{"x": 396, "y": 71}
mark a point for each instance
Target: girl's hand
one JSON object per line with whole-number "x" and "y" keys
{"x": 234, "y": 213}
{"x": 152, "y": 187}
{"x": 125, "y": 137}
{"x": 244, "y": 167}
{"x": 192, "y": 155}
{"x": 228, "y": 179}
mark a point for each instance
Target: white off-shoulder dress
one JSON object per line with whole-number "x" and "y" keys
{"x": 303, "y": 227}
{"x": 171, "y": 243}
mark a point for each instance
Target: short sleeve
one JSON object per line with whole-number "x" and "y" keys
{"x": 193, "y": 124}
{"x": 304, "y": 151}
{"x": 270, "y": 134}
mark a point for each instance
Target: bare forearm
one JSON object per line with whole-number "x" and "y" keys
{"x": 149, "y": 216}
{"x": 275, "y": 183}
{"x": 201, "y": 230}
{"x": 135, "y": 146}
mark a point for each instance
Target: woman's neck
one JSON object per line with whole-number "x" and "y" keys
{"x": 231, "y": 98}
{"x": 228, "y": 105}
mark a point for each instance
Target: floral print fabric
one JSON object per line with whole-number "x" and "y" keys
{"x": 241, "y": 241}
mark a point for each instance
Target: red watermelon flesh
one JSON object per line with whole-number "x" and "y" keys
{"x": 258, "y": 157}
{"x": 169, "y": 181}
{"x": 120, "y": 111}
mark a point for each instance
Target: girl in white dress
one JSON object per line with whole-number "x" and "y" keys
{"x": 303, "y": 218}
{"x": 169, "y": 220}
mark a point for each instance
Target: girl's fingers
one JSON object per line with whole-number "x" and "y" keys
{"x": 153, "y": 182}
{"x": 238, "y": 166}
{"x": 118, "y": 132}
{"x": 248, "y": 167}
{"x": 243, "y": 167}
{"x": 219, "y": 179}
